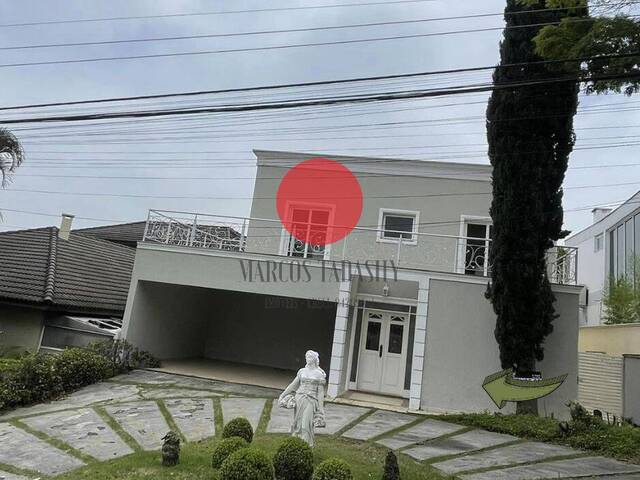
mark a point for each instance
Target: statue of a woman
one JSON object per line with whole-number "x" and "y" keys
{"x": 306, "y": 395}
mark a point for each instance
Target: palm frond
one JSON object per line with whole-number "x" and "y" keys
{"x": 11, "y": 155}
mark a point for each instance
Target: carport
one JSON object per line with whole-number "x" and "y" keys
{"x": 229, "y": 335}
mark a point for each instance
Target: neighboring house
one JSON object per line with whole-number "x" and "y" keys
{"x": 56, "y": 293}
{"x": 128, "y": 234}
{"x": 423, "y": 333}
{"x": 607, "y": 249}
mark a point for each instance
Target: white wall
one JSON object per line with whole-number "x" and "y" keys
{"x": 461, "y": 350}
{"x": 438, "y": 213}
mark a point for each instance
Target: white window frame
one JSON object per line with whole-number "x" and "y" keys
{"x": 286, "y": 235}
{"x": 461, "y": 257}
{"x": 401, "y": 213}
{"x": 598, "y": 243}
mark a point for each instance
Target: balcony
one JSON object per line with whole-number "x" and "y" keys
{"x": 438, "y": 252}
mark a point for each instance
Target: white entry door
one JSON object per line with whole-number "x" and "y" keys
{"x": 383, "y": 352}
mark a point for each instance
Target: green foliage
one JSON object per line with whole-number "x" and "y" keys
{"x": 621, "y": 302}
{"x": 78, "y": 367}
{"x": 124, "y": 356}
{"x": 226, "y": 447}
{"x": 530, "y": 136}
{"x": 605, "y": 46}
{"x": 293, "y": 460}
{"x": 333, "y": 469}
{"x": 33, "y": 378}
{"x": 247, "y": 464}
{"x": 238, "y": 427}
{"x": 391, "y": 468}
{"x": 584, "y": 431}
{"x": 39, "y": 377}
{"x": 171, "y": 449}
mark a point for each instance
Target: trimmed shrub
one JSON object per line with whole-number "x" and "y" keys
{"x": 293, "y": 460}
{"x": 333, "y": 469}
{"x": 238, "y": 427}
{"x": 391, "y": 468}
{"x": 78, "y": 367}
{"x": 226, "y": 447}
{"x": 32, "y": 378}
{"x": 123, "y": 356}
{"x": 247, "y": 464}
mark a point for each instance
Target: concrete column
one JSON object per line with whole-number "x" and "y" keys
{"x": 339, "y": 340}
{"x": 419, "y": 341}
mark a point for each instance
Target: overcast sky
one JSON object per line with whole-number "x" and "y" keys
{"x": 441, "y": 131}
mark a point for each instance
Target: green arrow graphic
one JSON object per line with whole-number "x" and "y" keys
{"x": 503, "y": 388}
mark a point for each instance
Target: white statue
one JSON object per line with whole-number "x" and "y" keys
{"x": 306, "y": 395}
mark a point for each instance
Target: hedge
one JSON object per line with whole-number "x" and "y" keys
{"x": 39, "y": 377}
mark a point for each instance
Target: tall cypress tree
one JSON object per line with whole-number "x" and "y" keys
{"x": 530, "y": 136}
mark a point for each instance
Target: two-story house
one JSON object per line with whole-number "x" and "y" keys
{"x": 608, "y": 248}
{"x": 396, "y": 308}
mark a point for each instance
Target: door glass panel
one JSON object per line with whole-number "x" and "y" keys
{"x": 395, "y": 338}
{"x": 373, "y": 336}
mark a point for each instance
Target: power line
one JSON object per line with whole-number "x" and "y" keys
{"x": 295, "y": 30}
{"x": 308, "y": 84}
{"x": 194, "y": 14}
{"x": 457, "y": 90}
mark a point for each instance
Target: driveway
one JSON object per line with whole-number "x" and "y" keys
{"x": 103, "y": 421}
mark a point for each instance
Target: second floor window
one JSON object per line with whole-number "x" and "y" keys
{"x": 307, "y": 232}
{"x": 396, "y": 225}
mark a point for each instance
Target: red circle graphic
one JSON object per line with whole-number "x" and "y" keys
{"x": 319, "y": 201}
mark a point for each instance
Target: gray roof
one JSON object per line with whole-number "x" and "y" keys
{"x": 125, "y": 233}
{"x": 80, "y": 274}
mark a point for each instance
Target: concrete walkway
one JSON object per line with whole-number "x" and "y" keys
{"x": 57, "y": 437}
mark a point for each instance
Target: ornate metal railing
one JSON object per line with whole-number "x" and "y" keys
{"x": 418, "y": 250}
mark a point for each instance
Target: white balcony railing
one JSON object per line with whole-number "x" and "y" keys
{"x": 423, "y": 251}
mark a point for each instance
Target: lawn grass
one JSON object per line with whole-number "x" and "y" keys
{"x": 365, "y": 459}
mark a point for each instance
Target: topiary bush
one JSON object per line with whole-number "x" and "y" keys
{"x": 238, "y": 427}
{"x": 391, "y": 468}
{"x": 226, "y": 447}
{"x": 333, "y": 469}
{"x": 78, "y": 367}
{"x": 247, "y": 464}
{"x": 293, "y": 460}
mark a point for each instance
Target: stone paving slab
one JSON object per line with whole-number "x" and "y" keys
{"x": 457, "y": 444}
{"x": 159, "y": 393}
{"x": 150, "y": 377}
{"x": 337, "y": 417}
{"x": 23, "y": 450}
{"x": 510, "y": 455}
{"x": 11, "y": 476}
{"x": 97, "y": 393}
{"x": 193, "y": 416}
{"x": 83, "y": 430}
{"x": 143, "y": 421}
{"x": 427, "y": 430}
{"x": 574, "y": 468}
{"x": 249, "y": 408}
{"x": 380, "y": 422}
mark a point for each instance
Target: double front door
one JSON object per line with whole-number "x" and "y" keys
{"x": 383, "y": 352}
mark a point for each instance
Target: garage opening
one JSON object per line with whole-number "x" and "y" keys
{"x": 227, "y": 335}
